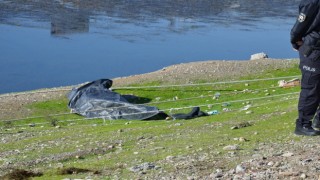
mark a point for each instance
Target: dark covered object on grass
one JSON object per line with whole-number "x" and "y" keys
{"x": 96, "y": 100}
{"x": 195, "y": 112}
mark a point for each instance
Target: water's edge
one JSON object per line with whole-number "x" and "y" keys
{"x": 178, "y": 70}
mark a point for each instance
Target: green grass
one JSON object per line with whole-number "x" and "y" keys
{"x": 112, "y": 147}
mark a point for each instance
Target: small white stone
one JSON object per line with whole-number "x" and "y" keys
{"x": 240, "y": 169}
{"x": 257, "y": 56}
{"x": 288, "y": 154}
{"x": 271, "y": 163}
{"x": 303, "y": 176}
{"x": 231, "y": 147}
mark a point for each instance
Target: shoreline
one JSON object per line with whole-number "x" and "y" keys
{"x": 14, "y": 105}
{"x": 180, "y": 73}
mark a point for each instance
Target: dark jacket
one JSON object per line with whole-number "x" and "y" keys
{"x": 308, "y": 22}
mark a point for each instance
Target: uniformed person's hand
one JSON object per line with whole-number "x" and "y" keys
{"x": 297, "y": 45}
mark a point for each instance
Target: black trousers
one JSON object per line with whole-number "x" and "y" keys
{"x": 308, "y": 106}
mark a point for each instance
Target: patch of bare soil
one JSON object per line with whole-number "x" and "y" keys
{"x": 19, "y": 174}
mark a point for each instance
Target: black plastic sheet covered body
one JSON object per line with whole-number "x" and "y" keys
{"x": 96, "y": 100}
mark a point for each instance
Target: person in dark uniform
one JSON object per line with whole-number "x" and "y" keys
{"x": 305, "y": 38}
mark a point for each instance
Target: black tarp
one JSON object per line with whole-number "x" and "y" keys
{"x": 97, "y": 100}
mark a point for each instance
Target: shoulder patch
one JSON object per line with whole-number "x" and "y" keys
{"x": 302, "y": 17}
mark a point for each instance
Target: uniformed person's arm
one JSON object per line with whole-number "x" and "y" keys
{"x": 307, "y": 13}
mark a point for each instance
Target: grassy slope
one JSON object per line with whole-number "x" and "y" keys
{"x": 114, "y": 146}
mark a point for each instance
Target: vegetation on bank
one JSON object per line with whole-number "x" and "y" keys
{"x": 250, "y": 112}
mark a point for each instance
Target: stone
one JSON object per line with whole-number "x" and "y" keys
{"x": 240, "y": 169}
{"x": 303, "y": 176}
{"x": 271, "y": 163}
{"x": 288, "y": 154}
{"x": 257, "y": 56}
{"x": 170, "y": 158}
{"x": 32, "y": 125}
{"x": 231, "y": 147}
{"x": 276, "y": 164}
{"x": 258, "y": 156}
{"x": 286, "y": 173}
{"x": 143, "y": 167}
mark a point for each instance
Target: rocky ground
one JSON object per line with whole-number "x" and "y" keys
{"x": 289, "y": 160}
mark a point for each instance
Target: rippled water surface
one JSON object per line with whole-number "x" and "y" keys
{"x": 65, "y": 42}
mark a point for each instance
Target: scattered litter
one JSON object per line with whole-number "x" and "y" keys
{"x": 226, "y": 110}
{"x": 217, "y": 94}
{"x": 246, "y": 107}
{"x": 225, "y": 104}
{"x": 290, "y": 83}
{"x": 214, "y": 112}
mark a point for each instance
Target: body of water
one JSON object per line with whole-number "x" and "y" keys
{"x": 54, "y": 43}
